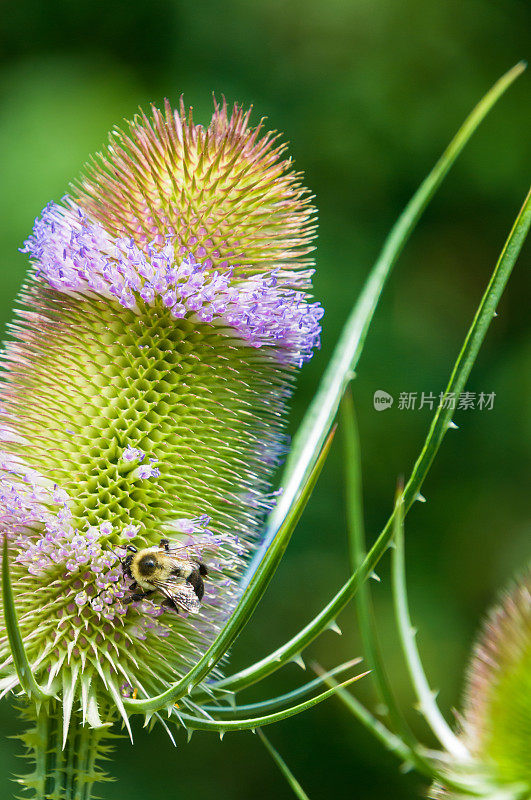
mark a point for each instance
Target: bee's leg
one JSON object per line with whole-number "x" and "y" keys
{"x": 139, "y": 596}
{"x": 165, "y": 543}
{"x": 169, "y": 603}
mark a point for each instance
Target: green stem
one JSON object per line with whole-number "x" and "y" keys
{"x": 62, "y": 773}
{"x": 425, "y": 696}
{"x": 364, "y": 605}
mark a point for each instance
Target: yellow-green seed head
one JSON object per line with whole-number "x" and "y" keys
{"x": 144, "y": 395}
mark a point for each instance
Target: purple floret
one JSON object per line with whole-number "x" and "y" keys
{"x": 76, "y": 255}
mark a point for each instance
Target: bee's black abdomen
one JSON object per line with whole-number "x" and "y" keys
{"x": 203, "y": 570}
{"x": 196, "y": 581}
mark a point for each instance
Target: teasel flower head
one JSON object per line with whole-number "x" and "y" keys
{"x": 497, "y": 717}
{"x": 495, "y": 725}
{"x": 144, "y": 396}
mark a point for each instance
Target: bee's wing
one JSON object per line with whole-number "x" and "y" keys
{"x": 180, "y": 592}
{"x": 176, "y": 550}
{"x": 186, "y": 598}
{"x": 178, "y": 556}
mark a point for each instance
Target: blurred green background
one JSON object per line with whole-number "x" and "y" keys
{"x": 368, "y": 93}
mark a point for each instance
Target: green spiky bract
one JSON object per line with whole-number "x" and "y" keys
{"x": 68, "y": 771}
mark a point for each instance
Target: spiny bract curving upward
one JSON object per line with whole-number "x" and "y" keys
{"x": 144, "y": 395}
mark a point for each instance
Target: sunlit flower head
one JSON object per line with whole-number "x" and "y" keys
{"x": 145, "y": 394}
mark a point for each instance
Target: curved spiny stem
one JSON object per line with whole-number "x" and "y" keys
{"x": 425, "y": 696}
{"x": 223, "y": 726}
{"x": 283, "y": 699}
{"x": 340, "y": 370}
{"x": 20, "y": 659}
{"x": 441, "y": 423}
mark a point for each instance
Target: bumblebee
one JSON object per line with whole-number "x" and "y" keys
{"x": 161, "y": 569}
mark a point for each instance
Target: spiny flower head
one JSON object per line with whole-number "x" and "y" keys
{"x": 498, "y": 707}
{"x": 145, "y": 393}
{"x": 495, "y": 726}
{"x": 76, "y": 255}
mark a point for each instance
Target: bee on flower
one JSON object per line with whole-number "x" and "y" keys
{"x": 144, "y": 398}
